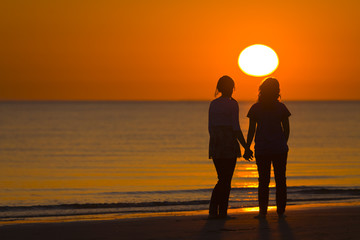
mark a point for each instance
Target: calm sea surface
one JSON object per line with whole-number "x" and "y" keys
{"x": 63, "y": 158}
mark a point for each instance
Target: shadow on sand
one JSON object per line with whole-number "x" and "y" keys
{"x": 283, "y": 231}
{"x": 212, "y": 229}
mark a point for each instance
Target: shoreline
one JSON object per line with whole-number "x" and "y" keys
{"x": 111, "y": 216}
{"x": 332, "y": 221}
{"x": 114, "y": 211}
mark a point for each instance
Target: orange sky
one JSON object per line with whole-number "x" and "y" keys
{"x": 174, "y": 50}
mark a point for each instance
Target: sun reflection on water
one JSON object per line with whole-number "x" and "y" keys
{"x": 256, "y": 209}
{"x": 249, "y": 176}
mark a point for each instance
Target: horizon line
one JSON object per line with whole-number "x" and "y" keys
{"x": 169, "y": 100}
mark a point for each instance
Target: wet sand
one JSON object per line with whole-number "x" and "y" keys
{"x": 332, "y": 222}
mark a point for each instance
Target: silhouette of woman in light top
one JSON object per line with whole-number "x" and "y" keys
{"x": 269, "y": 118}
{"x": 224, "y": 149}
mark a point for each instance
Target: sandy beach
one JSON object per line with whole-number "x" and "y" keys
{"x": 333, "y": 222}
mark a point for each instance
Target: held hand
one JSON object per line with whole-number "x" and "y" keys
{"x": 248, "y": 155}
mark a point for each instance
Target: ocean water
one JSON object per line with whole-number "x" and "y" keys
{"x": 73, "y": 158}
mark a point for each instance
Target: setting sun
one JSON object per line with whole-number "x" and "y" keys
{"x": 258, "y": 60}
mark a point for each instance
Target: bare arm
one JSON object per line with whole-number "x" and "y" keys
{"x": 239, "y": 135}
{"x": 286, "y": 128}
{"x": 248, "y": 154}
{"x": 251, "y": 132}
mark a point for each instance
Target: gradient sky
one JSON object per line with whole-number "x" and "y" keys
{"x": 175, "y": 50}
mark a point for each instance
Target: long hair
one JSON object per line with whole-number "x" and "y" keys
{"x": 269, "y": 91}
{"x": 225, "y": 85}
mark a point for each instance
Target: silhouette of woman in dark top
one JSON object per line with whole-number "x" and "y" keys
{"x": 269, "y": 118}
{"x": 224, "y": 149}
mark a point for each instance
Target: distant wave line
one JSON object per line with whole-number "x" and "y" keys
{"x": 299, "y": 189}
{"x": 294, "y": 193}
